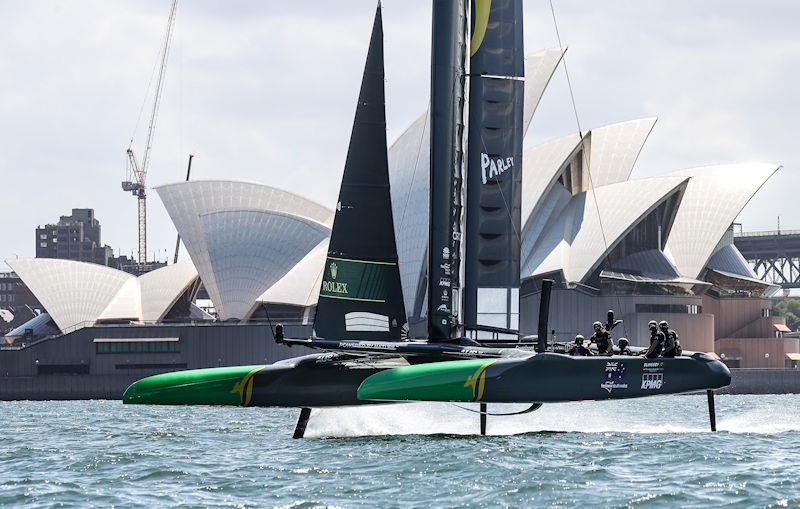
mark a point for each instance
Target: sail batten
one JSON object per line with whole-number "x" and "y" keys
{"x": 361, "y": 296}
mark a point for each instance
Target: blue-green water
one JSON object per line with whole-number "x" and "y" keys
{"x": 643, "y": 453}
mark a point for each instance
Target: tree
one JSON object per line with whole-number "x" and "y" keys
{"x": 789, "y": 308}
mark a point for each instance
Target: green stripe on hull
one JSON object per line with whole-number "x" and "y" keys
{"x": 213, "y": 386}
{"x": 436, "y": 381}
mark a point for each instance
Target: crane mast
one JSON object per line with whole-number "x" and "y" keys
{"x": 136, "y": 173}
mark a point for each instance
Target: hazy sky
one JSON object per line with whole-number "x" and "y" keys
{"x": 265, "y": 92}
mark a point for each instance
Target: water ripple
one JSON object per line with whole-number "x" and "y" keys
{"x": 628, "y": 454}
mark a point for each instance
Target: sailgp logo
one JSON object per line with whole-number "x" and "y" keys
{"x": 493, "y": 168}
{"x": 614, "y": 376}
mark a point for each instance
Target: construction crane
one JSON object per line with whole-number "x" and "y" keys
{"x": 136, "y": 174}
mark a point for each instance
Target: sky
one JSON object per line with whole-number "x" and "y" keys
{"x": 265, "y": 92}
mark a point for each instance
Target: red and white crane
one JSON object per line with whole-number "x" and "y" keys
{"x": 136, "y": 173}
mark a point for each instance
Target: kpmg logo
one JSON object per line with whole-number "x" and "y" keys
{"x": 493, "y": 168}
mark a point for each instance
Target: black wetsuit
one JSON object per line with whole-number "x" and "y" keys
{"x": 579, "y": 350}
{"x": 605, "y": 345}
{"x": 672, "y": 344}
{"x": 657, "y": 340}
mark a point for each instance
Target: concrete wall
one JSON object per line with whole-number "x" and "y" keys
{"x": 763, "y": 381}
{"x": 733, "y": 313}
{"x": 23, "y": 371}
{"x": 757, "y": 352}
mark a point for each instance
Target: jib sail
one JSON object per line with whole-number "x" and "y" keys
{"x": 361, "y": 295}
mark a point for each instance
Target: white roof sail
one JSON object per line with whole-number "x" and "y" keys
{"x": 77, "y": 294}
{"x": 714, "y": 198}
{"x": 574, "y": 241}
{"x": 126, "y": 304}
{"x": 615, "y": 149}
{"x": 540, "y": 168}
{"x": 300, "y": 286}
{"x": 161, "y": 288}
{"x": 73, "y": 293}
{"x": 250, "y": 250}
{"x": 187, "y": 201}
{"x": 539, "y": 68}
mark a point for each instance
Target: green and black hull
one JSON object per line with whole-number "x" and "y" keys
{"x": 546, "y": 378}
{"x": 327, "y": 380}
{"x": 315, "y": 380}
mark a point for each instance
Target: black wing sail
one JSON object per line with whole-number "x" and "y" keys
{"x": 361, "y": 296}
{"x": 494, "y": 166}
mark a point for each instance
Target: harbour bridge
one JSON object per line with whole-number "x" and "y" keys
{"x": 773, "y": 255}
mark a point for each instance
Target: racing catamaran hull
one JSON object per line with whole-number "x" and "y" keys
{"x": 326, "y": 380}
{"x": 546, "y": 378}
{"x": 308, "y": 381}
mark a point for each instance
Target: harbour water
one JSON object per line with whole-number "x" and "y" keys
{"x": 643, "y": 453}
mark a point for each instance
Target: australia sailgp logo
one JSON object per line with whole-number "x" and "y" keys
{"x": 491, "y": 168}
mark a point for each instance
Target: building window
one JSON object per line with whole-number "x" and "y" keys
{"x": 691, "y": 309}
{"x": 42, "y": 244}
{"x": 766, "y": 312}
{"x": 138, "y": 347}
{"x": 43, "y": 236}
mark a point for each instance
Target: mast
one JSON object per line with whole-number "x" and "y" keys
{"x": 494, "y": 178}
{"x": 448, "y": 130}
{"x": 361, "y": 295}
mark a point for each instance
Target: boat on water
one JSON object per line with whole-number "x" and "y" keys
{"x": 473, "y": 273}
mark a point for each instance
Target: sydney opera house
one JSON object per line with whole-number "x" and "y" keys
{"x": 649, "y": 248}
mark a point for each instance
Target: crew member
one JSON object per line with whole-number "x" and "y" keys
{"x": 672, "y": 343}
{"x": 578, "y": 348}
{"x": 657, "y": 340}
{"x": 624, "y": 349}
{"x": 601, "y": 338}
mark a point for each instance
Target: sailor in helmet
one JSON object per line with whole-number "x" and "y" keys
{"x": 657, "y": 340}
{"x": 578, "y": 348}
{"x": 601, "y": 338}
{"x": 672, "y": 343}
{"x": 624, "y": 348}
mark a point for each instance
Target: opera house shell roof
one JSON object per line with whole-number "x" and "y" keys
{"x": 585, "y": 221}
{"x": 78, "y": 294}
{"x": 243, "y": 237}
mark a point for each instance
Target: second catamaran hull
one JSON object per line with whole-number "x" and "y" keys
{"x": 546, "y": 378}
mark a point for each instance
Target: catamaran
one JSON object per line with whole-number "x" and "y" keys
{"x": 473, "y": 263}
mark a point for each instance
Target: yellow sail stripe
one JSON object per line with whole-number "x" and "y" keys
{"x": 481, "y": 15}
{"x": 360, "y": 261}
